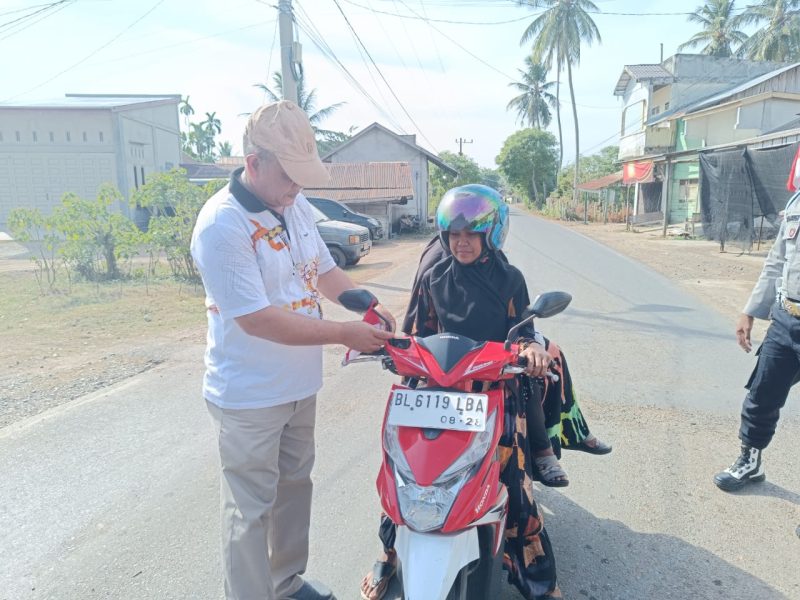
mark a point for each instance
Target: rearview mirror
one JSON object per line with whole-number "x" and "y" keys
{"x": 358, "y": 300}
{"x": 550, "y": 304}
{"x": 545, "y": 305}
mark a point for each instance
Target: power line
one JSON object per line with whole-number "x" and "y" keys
{"x": 319, "y": 41}
{"x": 27, "y": 23}
{"x": 336, "y": 2}
{"x": 34, "y": 13}
{"x": 269, "y": 61}
{"x": 425, "y": 18}
{"x": 88, "y": 56}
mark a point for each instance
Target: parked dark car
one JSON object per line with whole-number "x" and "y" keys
{"x": 339, "y": 212}
{"x": 347, "y": 242}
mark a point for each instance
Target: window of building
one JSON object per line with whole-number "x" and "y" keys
{"x": 135, "y": 177}
{"x": 19, "y": 138}
{"x": 666, "y": 105}
{"x": 69, "y": 137}
{"x": 655, "y": 110}
{"x": 142, "y": 170}
{"x": 35, "y": 137}
{"x": 101, "y": 136}
{"x": 687, "y": 190}
{"x": 85, "y": 137}
{"x": 52, "y": 137}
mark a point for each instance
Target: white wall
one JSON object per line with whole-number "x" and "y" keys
{"x": 45, "y": 153}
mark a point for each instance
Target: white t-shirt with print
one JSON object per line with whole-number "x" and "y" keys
{"x": 247, "y": 263}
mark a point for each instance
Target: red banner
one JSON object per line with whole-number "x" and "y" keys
{"x": 638, "y": 172}
{"x": 793, "y": 184}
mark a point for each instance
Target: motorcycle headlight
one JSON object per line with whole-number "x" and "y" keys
{"x": 473, "y": 454}
{"x": 391, "y": 443}
{"x": 425, "y": 508}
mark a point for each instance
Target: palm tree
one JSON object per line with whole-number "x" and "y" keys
{"x": 225, "y": 149}
{"x": 212, "y": 124}
{"x": 534, "y": 102}
{"x": 720, "y": 28}
{"x": 186, "y": 110}
{"x": 557, "y": 34}
{"x": 779, "y": 37}
{"x": 306, "y": 100}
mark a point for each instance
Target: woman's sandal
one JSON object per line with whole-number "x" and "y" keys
{"x": 382, "y": 573}
{"x": 597, "y": 448}
{"x": 550, "y": 472}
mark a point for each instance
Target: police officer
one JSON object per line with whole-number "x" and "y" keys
{"x": 778, "y": 363}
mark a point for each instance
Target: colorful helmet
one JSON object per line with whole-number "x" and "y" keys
{"x": 476, "y": 208}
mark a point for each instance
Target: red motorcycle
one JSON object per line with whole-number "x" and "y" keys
{"x": 439, "y": 481}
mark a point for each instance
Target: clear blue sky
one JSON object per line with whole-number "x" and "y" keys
{"x": 450, "y": 78}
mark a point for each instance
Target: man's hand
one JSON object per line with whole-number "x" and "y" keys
{"x": 743, "y": 328}
{"x": 382, "y": 311}
{"x": 538, "y": 360}
{"x": 363, "y": 336}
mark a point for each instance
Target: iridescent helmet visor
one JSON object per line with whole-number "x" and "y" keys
{"x": 469, "y": 207}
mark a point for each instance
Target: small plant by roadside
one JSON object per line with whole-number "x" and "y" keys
{"x": 89, "y": 240}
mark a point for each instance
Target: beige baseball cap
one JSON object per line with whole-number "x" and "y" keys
{"x": 283, "y": 129}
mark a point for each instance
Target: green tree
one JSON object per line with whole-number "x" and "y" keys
{"x": 594, "y": 166}
{"x": 307, "y": 100}
{"x": 30, "y": 227}
{"x": 535, "y": 98}
{"x": 95, "y": 235}
{"x": 186, "y": 110}
{"x": 440, "y": 181}
{"x": 558, "y": 34}
{"x": 175, "y": 204}
{"x": 720, "y": 28}
{"x": 778, "y": 36}
{"x": 225, "y": 149}
{"x": 528, "y": 161}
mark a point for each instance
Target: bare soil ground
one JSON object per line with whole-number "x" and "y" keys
{"x": 62, "y": 344}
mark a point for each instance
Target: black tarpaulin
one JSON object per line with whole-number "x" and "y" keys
{"x": 739, "y": 186}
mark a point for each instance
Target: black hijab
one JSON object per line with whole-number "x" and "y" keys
{"x": 481, "y": 300}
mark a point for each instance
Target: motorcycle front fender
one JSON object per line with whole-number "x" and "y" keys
{"x": 430, "y": 562}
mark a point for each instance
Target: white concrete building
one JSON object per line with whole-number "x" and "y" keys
{"x": 77, "y": 143}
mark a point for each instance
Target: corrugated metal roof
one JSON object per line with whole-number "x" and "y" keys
{"x": 641, "y": 73}
{"x": 601, "y": 182}
{"x": 718, "y": 97}
{"x": 205, "y": 171}
{"x": 366, "y": 182}
{"x": 88, "y": 101}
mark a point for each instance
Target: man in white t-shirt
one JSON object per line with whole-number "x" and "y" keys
{"x": 265, "y": 269}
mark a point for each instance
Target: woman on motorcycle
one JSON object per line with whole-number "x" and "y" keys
{"x": 475, "y": 293}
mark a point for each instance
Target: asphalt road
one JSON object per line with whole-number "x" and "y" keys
{"x": 116, "y": 495}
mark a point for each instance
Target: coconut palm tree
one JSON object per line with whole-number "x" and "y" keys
{"x": 778, "y": 38}
{"x": 720, "y": 28}
{"x": 558, "y": 34}
{"x": 186, "y": 110}
{"x": 212, "y": 124}
{"x": 306, "y": 100}
{"x": 225, "y": 149}
{"x": 535, "y": 99}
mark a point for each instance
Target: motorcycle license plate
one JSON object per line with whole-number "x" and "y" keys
{"x": 437, "y": 409}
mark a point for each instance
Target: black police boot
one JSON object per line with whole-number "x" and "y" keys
{"x": 746, "y": 469}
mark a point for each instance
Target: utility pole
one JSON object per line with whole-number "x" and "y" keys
{"x": 290, "y": 50}
{"x": 461, "y": 142}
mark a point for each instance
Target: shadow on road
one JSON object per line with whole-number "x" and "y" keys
{"x": 771, "y": 490}
{"x": 603, "y": 559}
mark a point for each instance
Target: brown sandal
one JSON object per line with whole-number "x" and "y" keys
{"x": 378, "y": 579}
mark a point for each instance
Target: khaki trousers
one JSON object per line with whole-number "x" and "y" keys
{"x": 266, "y": 455}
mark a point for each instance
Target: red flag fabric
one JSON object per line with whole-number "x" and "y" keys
{"x": 793, "y": 184}
{"x": 641, "y": 172}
